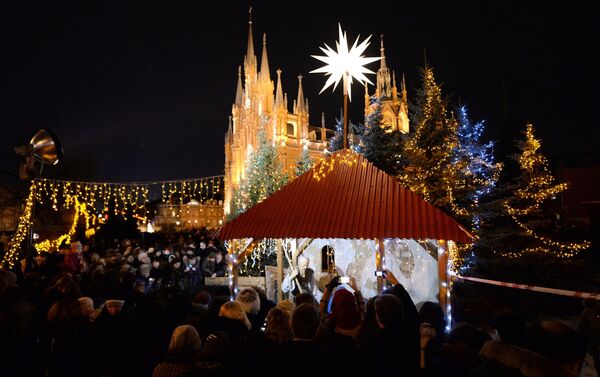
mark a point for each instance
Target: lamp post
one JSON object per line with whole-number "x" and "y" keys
{"x": 45, "y": 149}
{"x": 345, "y": 64}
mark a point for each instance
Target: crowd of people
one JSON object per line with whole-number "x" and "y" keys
{"x": 130, "y": 309}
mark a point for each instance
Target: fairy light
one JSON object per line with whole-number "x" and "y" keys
{"x": 90, "y": 197}
{"x": 430, "y": 160}
{"x": 25, "y": 222}
{"x": 538, "y": 187}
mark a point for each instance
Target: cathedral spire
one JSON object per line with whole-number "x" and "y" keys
{"x": 383, "y": 63}
{"x": 300, "y": 100}
{"x": 383, "y": 76}
{"x": 279, "y": 92}
{"x": 403, "y": 89}
{"x": 250, "y": 51}
{"x": 238, "y": 92}
{"x": 264, "y": 62}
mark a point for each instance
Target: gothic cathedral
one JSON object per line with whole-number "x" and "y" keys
{"x": 259, "y": 105}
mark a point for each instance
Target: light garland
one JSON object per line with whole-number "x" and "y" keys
{"x": 124, "y": 198}
{"x": 25, "y": 222}
{"x": 429, "y": 161}
{"x": 326, "y": 165}
{"x": 539, "y": 186}
{"x": 80, "y": 208}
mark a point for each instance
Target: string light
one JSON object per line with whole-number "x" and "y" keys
{"x": 25, "y": 222}
{"x": 537, "y": 188}
{"x": 430, "y": 161}
{"x": 90, "y": 197}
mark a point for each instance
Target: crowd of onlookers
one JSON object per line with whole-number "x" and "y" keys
{"x": 129, "y": 309}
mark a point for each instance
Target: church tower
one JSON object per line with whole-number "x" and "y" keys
{"x": 259, "y": 104}
{"x": 394, "y": 108}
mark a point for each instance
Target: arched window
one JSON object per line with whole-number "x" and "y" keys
{"x": 327, "y": 259}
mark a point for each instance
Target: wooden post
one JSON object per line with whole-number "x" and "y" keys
{"x": 380, "y": 264}
{"x": 279, "y": 250}
{"x": 443, "y": 279}
{"x": 232, "y": 269}
{"x": 237, "y": 257}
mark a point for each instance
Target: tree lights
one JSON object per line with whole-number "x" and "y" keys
{"x": 535, "y": 188}
{"x": 429, "y": 150}
{"x": 264, "y": 176}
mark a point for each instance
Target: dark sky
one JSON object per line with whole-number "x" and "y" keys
{"x": 142, "y": 90}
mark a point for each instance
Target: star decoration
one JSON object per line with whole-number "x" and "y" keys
{"x": 346, "y": 64}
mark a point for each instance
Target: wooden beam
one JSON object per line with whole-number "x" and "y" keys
{"x": 443, "y": 274}
{"x": 379, "y": 264}
{"x": 279, "y": 250}
{"x": 234, "y": 263}
{"x": 301, "y": 248}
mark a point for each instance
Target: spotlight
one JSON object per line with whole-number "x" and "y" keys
{"x": 44, "y": 147}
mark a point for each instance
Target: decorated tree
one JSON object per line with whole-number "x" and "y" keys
{"x": 476, "y": 173}
{"x": 530, "y": 205}
{"x": 264, "y": 176}
{"x": 429, "y": 150}
{"x": 336, "y": 142}
{"x": 378, "y": 142}
{"x": 304, "y": 164}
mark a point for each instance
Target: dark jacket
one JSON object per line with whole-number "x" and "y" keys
{"x": 237, "y": 332}
{"x": 383, "y": 352}
{"x": 301, "y": 358}
{"x": 343, "y": 349}
{"x": 503, "y": 359}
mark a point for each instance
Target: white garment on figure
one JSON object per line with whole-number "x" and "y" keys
{"x": 289, "y": 285}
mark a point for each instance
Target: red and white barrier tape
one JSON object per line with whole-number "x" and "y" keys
{"x": 561, "y": 292}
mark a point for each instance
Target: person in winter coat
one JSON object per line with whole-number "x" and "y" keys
{"x": 214, "y": 360}
{"x": 589, "y": 326}
{"x": 553, "y": 349}
{"x": 183, "y": 348}
{"x": 391, "y": 346}
{"x": 233, "y": 321}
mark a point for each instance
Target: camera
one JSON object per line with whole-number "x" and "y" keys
{"x": 344, "y": 280}
{"x": 379, "y": 274}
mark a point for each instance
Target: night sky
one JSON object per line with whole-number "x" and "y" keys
{"x": 142, "y": 90}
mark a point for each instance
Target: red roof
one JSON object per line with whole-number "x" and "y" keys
{"x": 344, "y": 196}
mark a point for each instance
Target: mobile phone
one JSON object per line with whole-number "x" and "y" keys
{"x": 379, "y": 273}
{"x": 344, "y": 279}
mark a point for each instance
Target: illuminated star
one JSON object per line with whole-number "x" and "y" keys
{"x": 347, "y": 64}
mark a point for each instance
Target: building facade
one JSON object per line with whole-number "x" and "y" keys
{"x": 192, "y": 215}
{"x": 394, "y": 105}
{"x": 260, "y": 104}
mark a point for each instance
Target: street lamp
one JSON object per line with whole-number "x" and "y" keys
{"x": 45, "y": 149}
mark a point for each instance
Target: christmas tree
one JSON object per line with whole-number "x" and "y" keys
{"x": 304, "y": 164}
{"x": 477, "y": 173}
{"x": 336, "y": 142}
{"x": 378, "y": 142}
{"x": 264, "y": 176}
{"x": 429, "y": 150}
{"x": 530, "y": 206}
